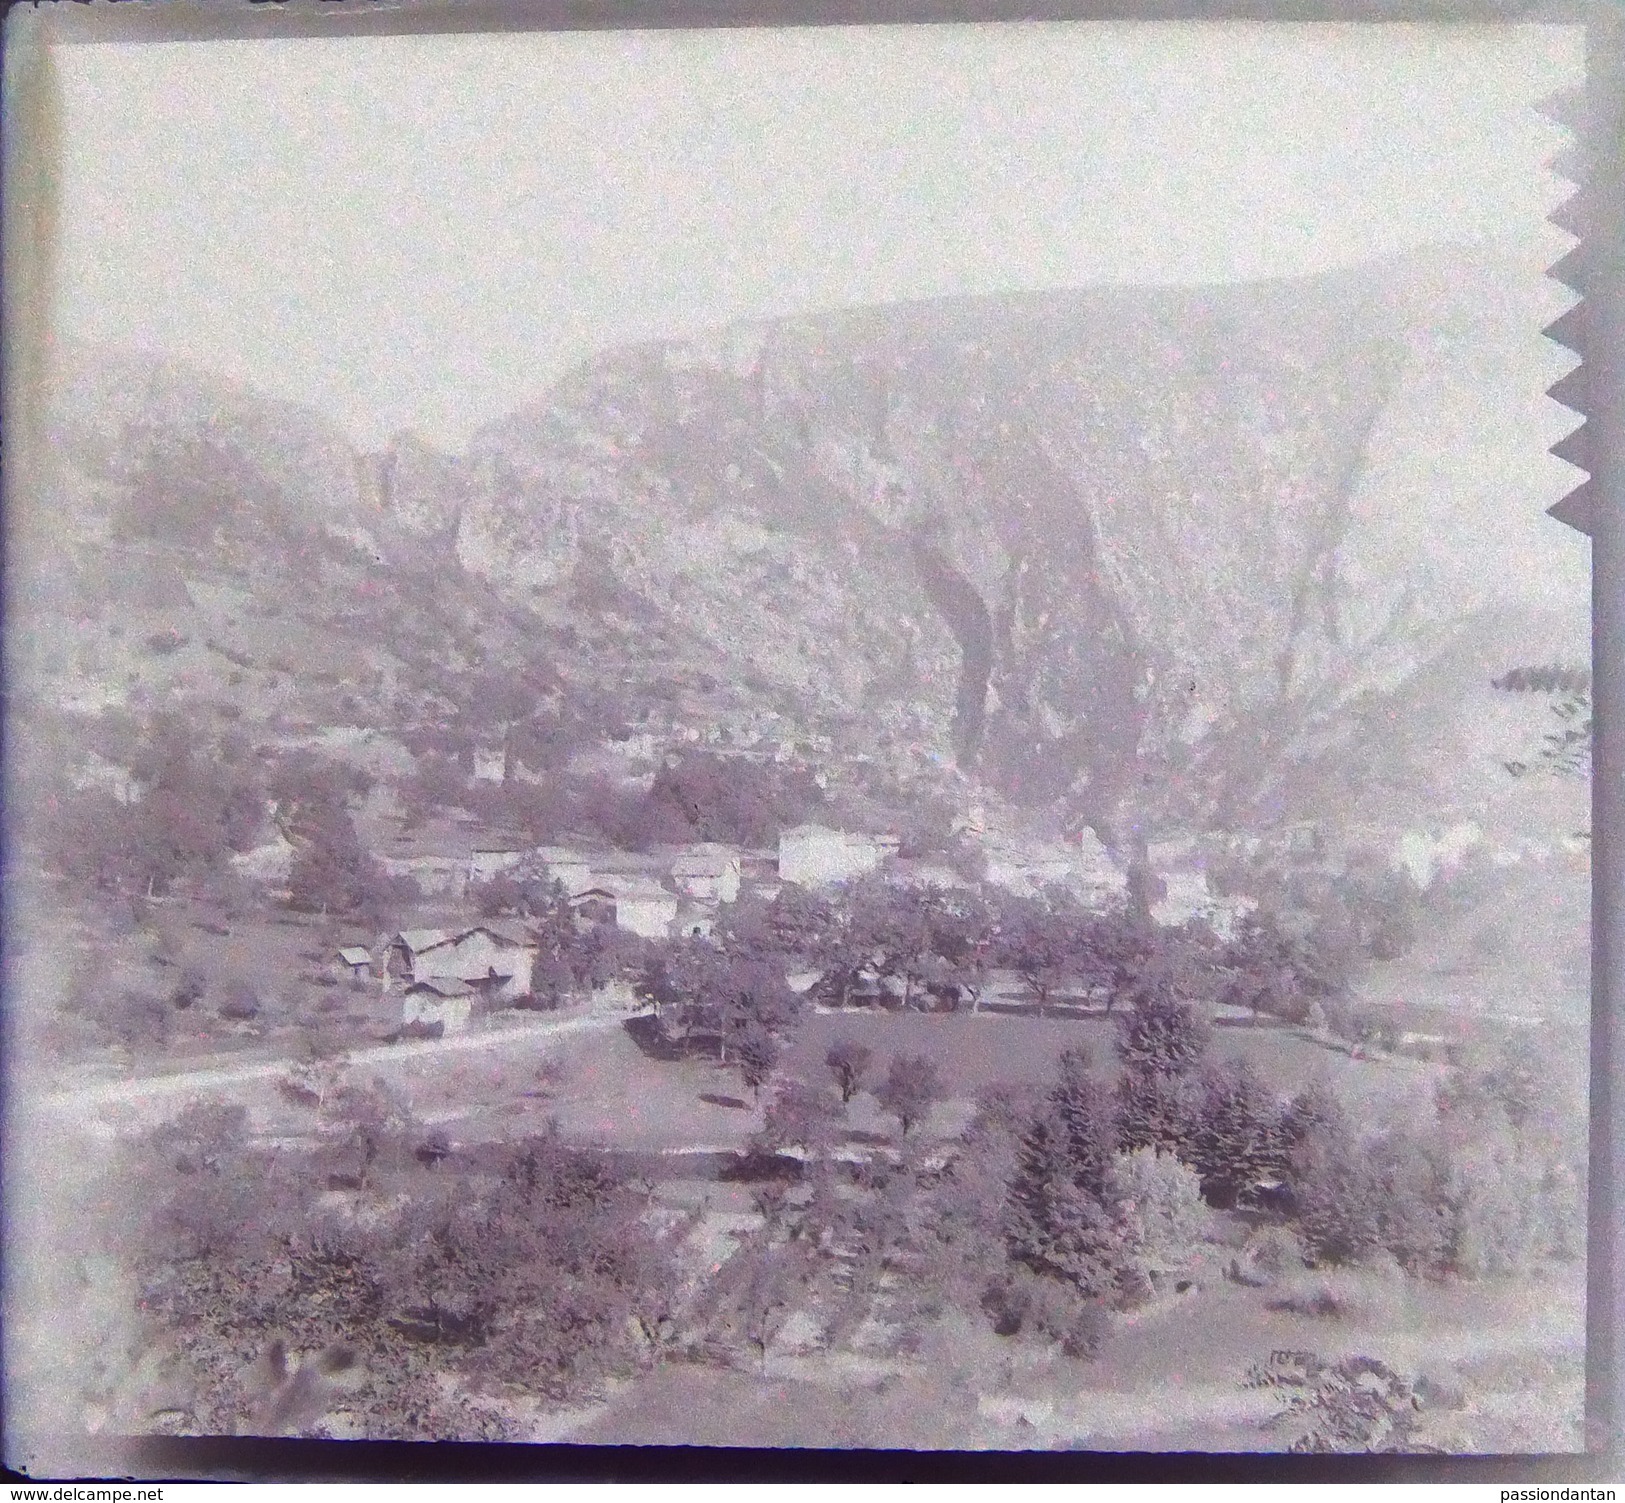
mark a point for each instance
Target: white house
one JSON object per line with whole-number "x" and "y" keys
{"x": 270, "y": 862}
{"x": 557, "y": 863}
{"x": 439, "y": 999}
{"x": 707, "y": 873}
{"x": 694, "y": 920}
{"x": 642, "y": 906}
{"x": 1026, "y": 872}
{"x": 483, "y": 865}
{"x": 816, "y": 856}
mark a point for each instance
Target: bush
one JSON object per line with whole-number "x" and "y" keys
{"x": 421, "y": 1028}
{"x": 1270, "y": 1254}
{"x": 1022, "y": 1302}
{"x": 1372, "y": 1294}
{"x": 189, "y": 989}
{"x": 135, "y": 1018}
{"x": 240, "y": 1003}
{"x": 1161, "y": 1214}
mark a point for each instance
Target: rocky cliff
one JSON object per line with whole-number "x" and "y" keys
{"x": 1124, "y": 555}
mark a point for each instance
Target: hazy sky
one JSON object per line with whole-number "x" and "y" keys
{"x": 425, "y": 231}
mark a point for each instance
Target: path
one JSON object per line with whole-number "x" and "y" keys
{"x": 151, "y": 1089}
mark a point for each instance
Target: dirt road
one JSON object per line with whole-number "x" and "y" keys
{"x": 131, "y": 1099}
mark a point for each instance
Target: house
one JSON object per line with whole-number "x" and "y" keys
{"x": 492, "y": 959}
{"x": 927, "y": 874}
{"x": 490, "y": 765}
{"x": 642, "y": 906}
{"x": 271, "y": 862}
{"x": 439, "y": 999}
{"x": 817, "y": 856}
{"x": 358, "y": 959}
{"x": 1026, "y": 873}
{"x": 404, "y": 951}
{"x": 483, "y": 865}
{"x": 435, "y": 857}
{"x": 708, "y": 873}
{"x": 694, "y": 920}
{"x": 593, "y": 905}
{"x": 557, "y": 863}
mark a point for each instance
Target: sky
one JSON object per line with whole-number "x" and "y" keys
{"x": 424, "y": 232}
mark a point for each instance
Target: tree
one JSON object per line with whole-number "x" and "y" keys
{"x": 1161, "y": 1034}
{"x": 1057, "y": 1224}
{"x": 1415, "y": 1199}
{"x": 1262, "y": 970}
{"x": 911, "y": 1088}
{"x": 1154, "y": 1110}
{"x": 798, "y": 1116}
{"x": 683, "y": 981}
{"x": 1041, "y": 945}
{"x": 332, "y": 873}
{"x": 905, "y": 937}
{"x": 1236, "y": 1142}
{"x": 1337, "y": 1199}
{"x": 848, "y": 1061}
{"x": 1566, "y": 749}
{"x": 1161, "y": 1042}
{"x": 791, "y": 926}
{"x": 1082, "y": 1111}
{"x": 1161, "y": 1214}
{"x": 758, "y": 1053}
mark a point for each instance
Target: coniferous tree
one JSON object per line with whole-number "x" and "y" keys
{"x": 1053, "y": 1224}
{"x": 1337, "y": 1198}
{"x": 1161, "y": 1034}
{"x": 1083, "y": 1111}
{"x": 1154, "y": 1111}
{"x": 1237, "y": 1136}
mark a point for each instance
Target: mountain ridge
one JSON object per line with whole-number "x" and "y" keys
{"x": 1090, "y": 551}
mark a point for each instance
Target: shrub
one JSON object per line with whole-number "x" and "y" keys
{"x": 422, "y": 1028}
{"x": 135, "y": 1018}
{"x": 1162, "y": 1217}
{"x": 189, "y": 989}
{"x": 1372, "y": 1294}
{"x": 240, "y": 1003}
{"x": 1272, "y": 1253}
{"x": 1022, "y": 1302}
{"x": 167, "y": 641}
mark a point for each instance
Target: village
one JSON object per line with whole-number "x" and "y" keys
{"x": 448, "y": 971}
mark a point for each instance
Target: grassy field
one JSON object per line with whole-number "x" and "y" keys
{"x": 1167, "y": 1381}
{"x": 976, "y": 1051}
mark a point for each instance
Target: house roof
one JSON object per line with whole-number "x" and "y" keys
{"x": 450, "y": 968}
{"x": 355, "y": 955}
{"x": 705, "y": 861}
{"x": 637, "y": 889}
{"x": 559, "y": 854}
{"x": 588, "y": 893}
{"x": 442, "y": 986}
{"x": 510, "y": 930}
{"x": 807, "y": 832}
{"x": 419, "y": 940}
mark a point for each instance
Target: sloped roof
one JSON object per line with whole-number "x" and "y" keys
{"x": 355, "y": 955}
{"x": 636, "y": 889}
{"x": 509, "y": 930}
{"x": 558, "y": 854}
{"x": 449, "y": 968}
{"x": 442, "y": 986}
{"x": 419, "y": 940}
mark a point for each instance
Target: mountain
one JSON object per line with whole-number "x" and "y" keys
{"x": 1133, "y": 558}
